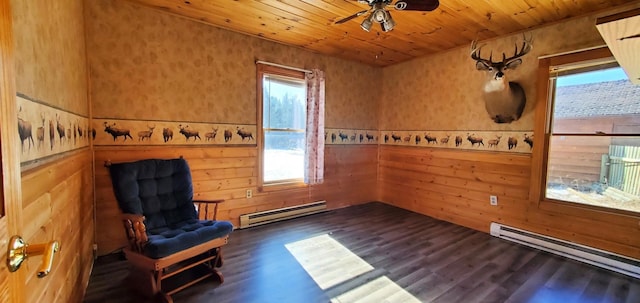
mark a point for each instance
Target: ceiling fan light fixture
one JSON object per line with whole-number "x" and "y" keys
{"x": 388, "y": 23}
{"x": 367, "y": 23}
{"x": 379, "y": 15}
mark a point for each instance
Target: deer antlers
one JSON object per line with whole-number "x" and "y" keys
{"x": 526, "y": 48}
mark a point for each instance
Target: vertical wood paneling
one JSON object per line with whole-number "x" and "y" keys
{"x": 455, "y": 186}
{"x": 350, "y": 178}
{"x": 58, "y": 204}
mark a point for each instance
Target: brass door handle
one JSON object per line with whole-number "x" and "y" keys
{"x": 20, "y": 251}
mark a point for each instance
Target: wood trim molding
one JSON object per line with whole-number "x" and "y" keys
{"x": 262, "y": 69}
{"x": 539, "y": 154}
{"x": 542, "y": 132}
{"x": 10, "y": 152}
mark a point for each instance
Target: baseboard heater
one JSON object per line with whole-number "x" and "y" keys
{"x": 268, "y": 216}
{"x": 586, "y": 254}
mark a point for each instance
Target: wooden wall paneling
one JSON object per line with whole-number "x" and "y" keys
{"x": 514, "y": 210}
{"x": 468, "y": 197}
{"x": 564, "y": 227}
{"x": 264, "y": 201}
{"x": 125, "y": 153}
{"x": 37, "y": 214}
{"x": 454, "y": 203}
{"x": 230, "y": 183}
{"x": 228, "y": 172}
{"x": 349, "y": 196}
{"x": 453, "y": 181}
{"x": 40, "y": 181}
{"x": 602, "y": 224}
{"x": 59, "y": 205}
{"x": 350, "y": 175}
{"x": 52, "y": 288}
{"x": 472, "y": 174}
{"x": 436, "y": 209}
{"x": 587, "y": 227}
{"x": 222, "y": 174}
{"x": 460, "y": 195}
{"x": 519, "y": 169}
{"x": 61, "y": 281}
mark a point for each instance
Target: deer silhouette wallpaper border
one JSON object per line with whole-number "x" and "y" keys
{"x": 501, "y": 141}
{"x": 46, "y": 131}
{"x": 345, "y": 136}
{"x": 143, "y": 132}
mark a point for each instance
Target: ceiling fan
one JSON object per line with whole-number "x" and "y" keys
{"x": 378, "y": 13}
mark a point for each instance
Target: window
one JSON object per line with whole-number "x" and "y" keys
{"x": 592, "y": 135}
{"x": 282, "y": 119}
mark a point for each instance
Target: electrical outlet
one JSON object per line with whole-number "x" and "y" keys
{"x": 249, "y": 194}
{"x": 493, "y": 200}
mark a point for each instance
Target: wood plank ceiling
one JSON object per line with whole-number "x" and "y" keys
{"x": 310, "y": 24}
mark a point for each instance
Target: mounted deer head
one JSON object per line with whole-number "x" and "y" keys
{"x": 504, "y": 100}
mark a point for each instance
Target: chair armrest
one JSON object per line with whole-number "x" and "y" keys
{"x": 136, "y": 231}
{"x": 203, "y": 208}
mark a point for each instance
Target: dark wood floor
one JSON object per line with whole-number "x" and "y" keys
{"x": 410, "y": 256}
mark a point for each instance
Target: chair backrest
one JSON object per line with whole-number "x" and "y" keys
{"x": 161, "y": 190}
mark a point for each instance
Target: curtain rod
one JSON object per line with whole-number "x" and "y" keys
{"x": 284, "y": 66}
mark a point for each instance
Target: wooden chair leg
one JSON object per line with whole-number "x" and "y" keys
{"x": 219, "y": 262}
{"x": 164, "y": 298}
{"x": 217, "y": 274}
{"x": 142, "y": 282}
{"x": 158, "y": 279}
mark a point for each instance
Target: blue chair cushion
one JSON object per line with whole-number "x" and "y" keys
{"x": 161, "y": 190}
{"x": 165, "y": 241}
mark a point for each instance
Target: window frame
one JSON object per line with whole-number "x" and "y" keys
{"x": 543, "y": 132}
{"x": 261, "y": 70}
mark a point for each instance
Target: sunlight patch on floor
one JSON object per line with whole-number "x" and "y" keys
{"x": 327, "y": 261}
{"x": 379, "y": 290}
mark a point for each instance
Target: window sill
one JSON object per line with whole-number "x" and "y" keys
{"x": 271, "y": 187}
{"x": 574, "y": 208}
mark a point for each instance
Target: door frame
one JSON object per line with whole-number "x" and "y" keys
{"x": 11, "y": 216}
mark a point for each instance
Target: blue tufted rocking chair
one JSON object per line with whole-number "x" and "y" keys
{"x": 171, "y": 248}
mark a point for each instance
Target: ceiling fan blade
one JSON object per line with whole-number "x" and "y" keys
{"x": 358, "y": 14}
{"x": 417, "y": 5}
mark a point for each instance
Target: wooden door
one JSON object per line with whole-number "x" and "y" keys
{"x": 11, "y": 284}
